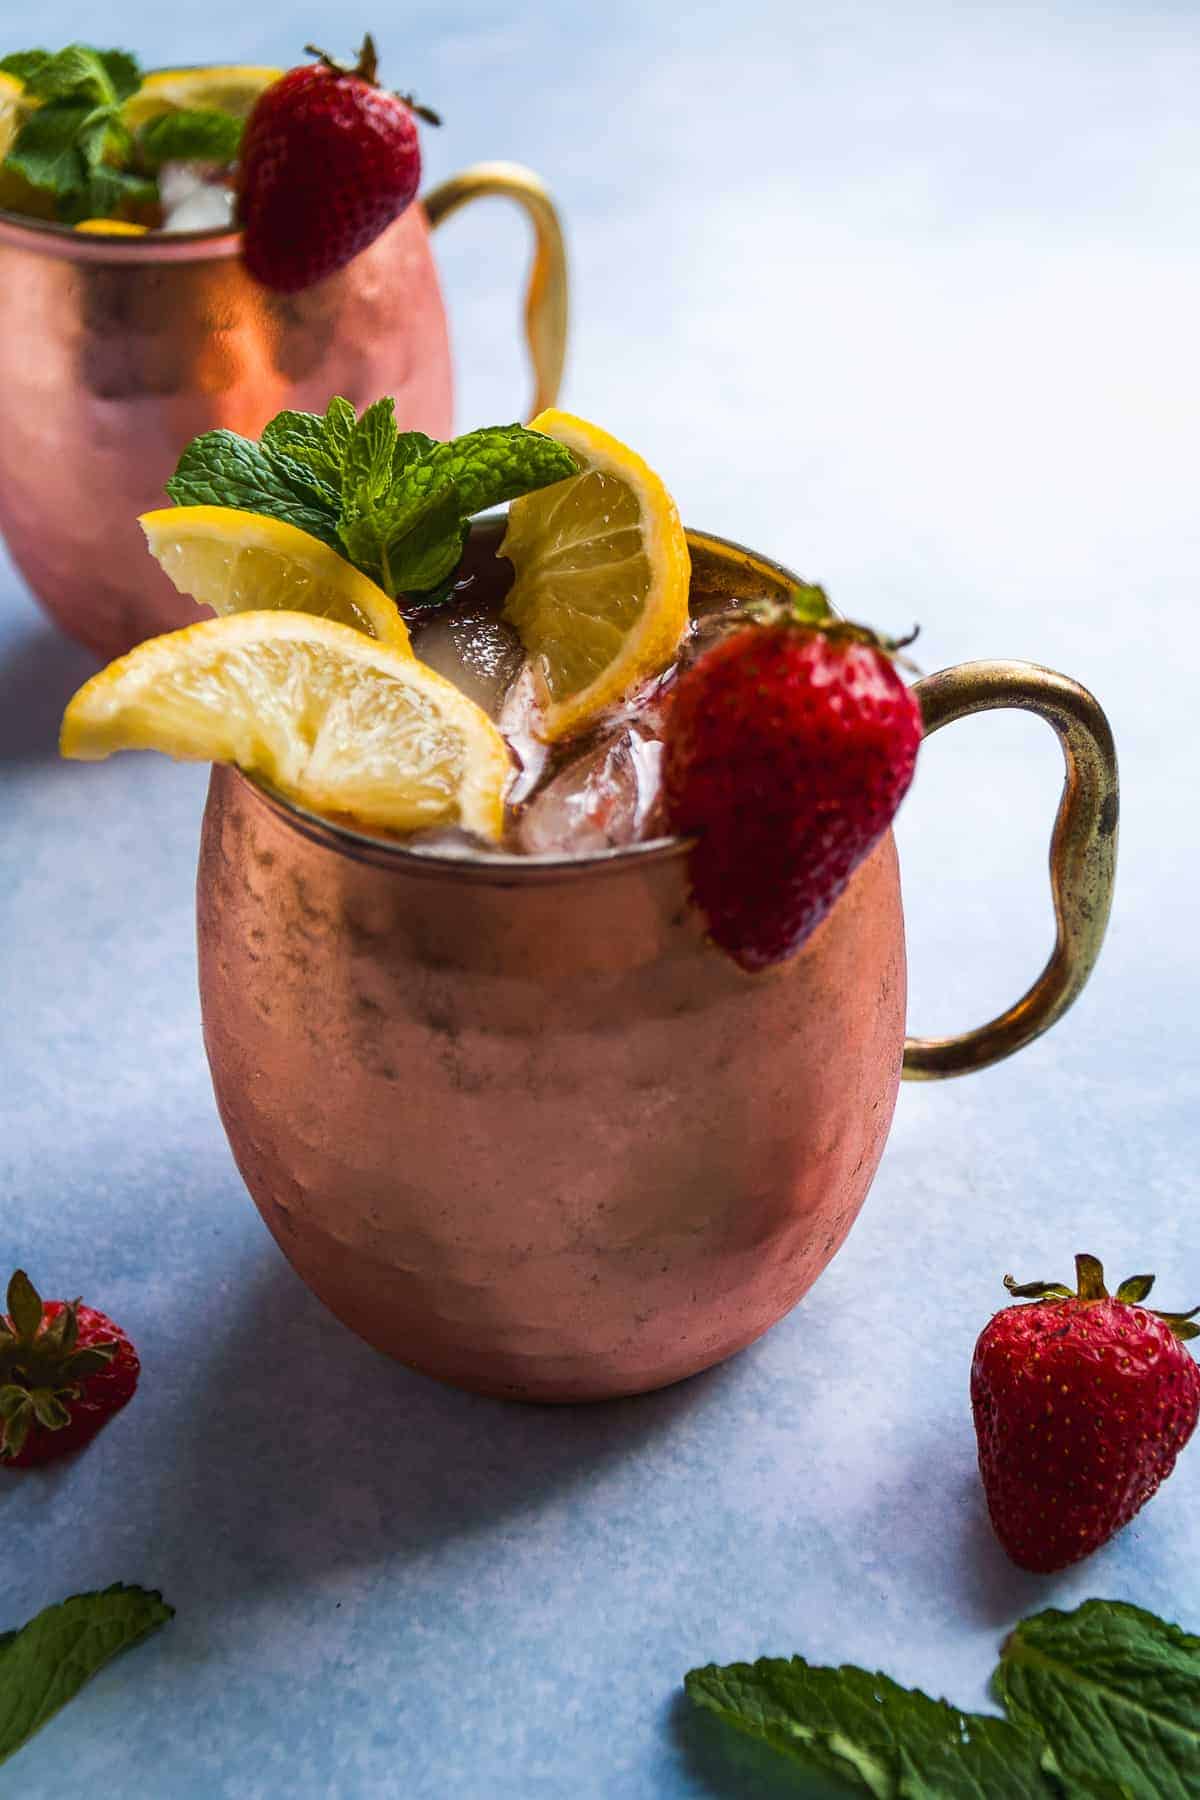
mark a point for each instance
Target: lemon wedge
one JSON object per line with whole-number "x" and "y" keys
{"x": 230, "y": 88}
{"x": 600, "y": 598}
{"x": 343, "y": 724}
{"x": 241, "y": 562}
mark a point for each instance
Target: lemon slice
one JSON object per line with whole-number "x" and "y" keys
{"x": 337, "y": 721}
{"x": 245, "y": 562}
{"x": 11, "y": 91}
{"x": 232, "y": 88}
{"x": 601, "y": 592}
{"x": 112, "y": 227}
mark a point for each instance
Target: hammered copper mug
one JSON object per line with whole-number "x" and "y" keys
{"x": 116, "y": 351}
{"x": 520, "y": 1126}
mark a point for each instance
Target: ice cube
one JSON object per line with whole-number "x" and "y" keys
{"x": 604, "y": 798}
{"x": 195, "y": 197}
{"x": 519, "y": 723}
{"x": 472, "y": 646}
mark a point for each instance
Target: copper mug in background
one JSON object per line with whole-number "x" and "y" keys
{"x": 116, "y": 351}
{"x": 520, "y": 1126}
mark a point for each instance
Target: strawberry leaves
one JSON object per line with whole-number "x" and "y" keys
{"x": 397, "y": 505}
{"x": 40, "y": 1366}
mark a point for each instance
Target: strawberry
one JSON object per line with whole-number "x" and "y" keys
{"x": 789, "y": 746}
{"x": 328, "y": 160}
{"x": 65, "y": 1370}
{"x": 1082, "y": 1402}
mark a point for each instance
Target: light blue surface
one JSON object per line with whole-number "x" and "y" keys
{"x": 907, "y": 299}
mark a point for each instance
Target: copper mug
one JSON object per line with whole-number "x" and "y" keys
{"x": 520, "y": 1126}
{"x": 116, "y": 351}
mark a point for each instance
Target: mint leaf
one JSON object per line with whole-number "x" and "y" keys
{"x": 222, "y": 469}
{"x": 409, "y": 547}
{"x": 22, "y": 65}
{"x": 497, "y": 463}
{"x": 199, "y": 134}
{"x": 1115, "y": 1690}
{"x": 411, "y": 446}
{"x": 108, "y": 191}
{"x": 106, "y": 77}
{"x": 340, "y": 420}
{"x": 873, "y": 1737}
{"x": 47, "y": 149}
{"x": 308, "y": 439}
{"x": 367, "y": 470}
{"x": 45, "y": 1664}
{"x": 123, "y": 70}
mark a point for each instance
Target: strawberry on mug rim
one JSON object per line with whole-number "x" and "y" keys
{"x": 328, "y": 160}
{"x": 789, "y": 746}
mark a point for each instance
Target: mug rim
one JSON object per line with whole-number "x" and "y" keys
{"x": 499, "y": 868}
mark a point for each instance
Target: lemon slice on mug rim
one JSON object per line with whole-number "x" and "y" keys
{"x": 344, "y": 725}
{"x": 239, "y": 562}
{"x": 600, "y": 598}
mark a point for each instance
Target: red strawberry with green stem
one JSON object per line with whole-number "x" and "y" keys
{"x": 1082, "y": 1402}
{"x": 65, "y": 1369}
{"x": 789, "y": 746}
{"x": 328, "y": 160}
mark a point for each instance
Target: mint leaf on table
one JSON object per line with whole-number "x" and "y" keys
{"x": 222, "y": 469}
{"x": 1115, "y": 1691}
{"x": 192, "y": 134}
{"x": 45, "y": 1664}
{"x": 872, "y": 1736}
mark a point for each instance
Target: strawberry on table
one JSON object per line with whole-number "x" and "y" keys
{"x": 65, "y": 1369}
{"x": 1082, "y": 1402}
{"x": 789, "y": 747}
{"x": 328, "y": 160}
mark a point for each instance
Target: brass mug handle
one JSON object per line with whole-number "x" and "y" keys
{"x": 1083, "y": 850}
{"x": 546, "y": 289}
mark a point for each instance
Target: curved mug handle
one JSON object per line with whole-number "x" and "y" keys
{"x": 546, "y": 289}
{"x": 1083, "y": 850}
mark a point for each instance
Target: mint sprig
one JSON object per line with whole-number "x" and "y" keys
{"x": 1102, "y": 1702}
{"x": 76, "y": 146}
{"x": 46, "y": 1662}
{"x": 397, "y": 505}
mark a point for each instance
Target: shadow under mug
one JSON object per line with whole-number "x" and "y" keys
{"x": 116, "y": 351}
{"x": 521, "y": 1126}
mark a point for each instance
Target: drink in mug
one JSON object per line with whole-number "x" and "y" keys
{"x": 503, "y": 1102}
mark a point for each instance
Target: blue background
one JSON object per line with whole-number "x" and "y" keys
{"x": 907, "y": 298}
